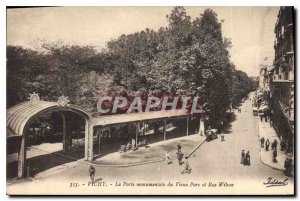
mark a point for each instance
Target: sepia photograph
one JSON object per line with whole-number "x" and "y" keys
{"x": 160, "y": 100}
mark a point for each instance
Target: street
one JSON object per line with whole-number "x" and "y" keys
{"x": 214, "y": 162}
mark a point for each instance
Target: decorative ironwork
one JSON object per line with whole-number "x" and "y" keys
{"x": 63, "y": 101}
{"x": 34, "y": 97}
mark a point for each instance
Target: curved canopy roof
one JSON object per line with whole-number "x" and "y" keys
{"x": 18, "y": 115}
{"x": 137, "y": 117}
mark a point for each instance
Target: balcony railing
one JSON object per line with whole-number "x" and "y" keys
{"x": 281, "y": 78}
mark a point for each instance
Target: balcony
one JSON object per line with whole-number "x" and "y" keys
{"x": 289, "y": 53}
{"x": 281, "y": 78}
{"x": 287, "y": 111}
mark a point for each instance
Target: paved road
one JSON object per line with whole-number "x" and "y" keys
{"x": 213, "y": 162}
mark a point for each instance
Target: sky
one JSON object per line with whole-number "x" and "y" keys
{"x": 251, "y": 29}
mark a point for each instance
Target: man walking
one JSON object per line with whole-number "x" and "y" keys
{"x": 266, "y": 118}
{"x": 92, "y": 172}
{"x": 262, "y": 142}
{"x": 179, "y": 157}
{"x": 275, "y": 144}
{"x": 168, "y": 158}
{"x": 187, "y": 168}
{"x": 271, "y": 119}
{"x": 179, "y": 147}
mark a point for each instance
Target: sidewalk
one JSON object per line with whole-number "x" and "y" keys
{"x": 154, "y": 153}
{"x": 268, "y": 132}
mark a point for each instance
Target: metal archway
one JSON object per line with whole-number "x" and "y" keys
{"x": 20, "y": 116}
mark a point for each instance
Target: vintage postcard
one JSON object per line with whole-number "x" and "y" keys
{"x": 150, "y": 101}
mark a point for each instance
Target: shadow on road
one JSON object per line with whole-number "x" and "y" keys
{"x": 44, "y": 162}
{"x": 230, "y": 117}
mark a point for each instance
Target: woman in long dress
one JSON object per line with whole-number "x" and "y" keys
{"x": 267, "y": 144}
{"x": 247, "y": 158}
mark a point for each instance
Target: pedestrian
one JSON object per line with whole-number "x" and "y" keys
{"x": 267, "y": 144}
{"x": 262, "y": 142}
{"x": 282, "y": 145}
{"x": 179, "y": 157}
{"x": 272, "y": 145}
{"x": 275, "y": 144}
{"x": 274, "y": 156}
{"x": 243, "y": 157}
{"x": 247, "y": 158}
{"x": 179, "y": 147}
{"x": 92, "y": 172}
{"x": 168, "y": 158}
{"x": 266, "y": 118}
{"x": 133, "y": 144}
{"x": 187, "y": 168}
{"x": 222, "y": 138}
{"x": 288, "y": 165}
{"x": 266, "y": 115}
{"x": 287, "y": 146}
{"x": 221, "y": 127}
{"x": 128, "y": 146}
{"x": 271, "y": 118}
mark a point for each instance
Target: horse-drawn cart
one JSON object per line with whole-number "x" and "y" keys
{"x": 211, "y": 134}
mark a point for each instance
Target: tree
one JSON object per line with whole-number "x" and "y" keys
{"x": 189, "y": 57}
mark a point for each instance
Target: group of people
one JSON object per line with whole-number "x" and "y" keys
{"x": 288, "y": 165}
{"x": 266, "y": 143}
{"x": 267, "y": 116}
{"x": 133, "y": 146}
{"x": 180, "y": 156}
{"x": 245, "y": 158}
{"x": 130, "y": 146}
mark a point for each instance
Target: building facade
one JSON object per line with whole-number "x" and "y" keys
{"x": 282, "y": 82}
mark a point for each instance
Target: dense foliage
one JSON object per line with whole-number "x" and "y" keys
{"x": 188, "y": 57}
